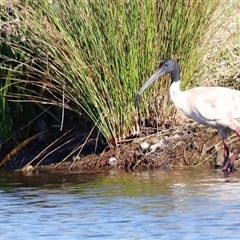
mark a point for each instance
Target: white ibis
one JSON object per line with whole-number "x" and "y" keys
{"x": 215, "y": 107}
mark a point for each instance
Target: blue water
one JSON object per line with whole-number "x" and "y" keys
{"x": 140, "y": 205}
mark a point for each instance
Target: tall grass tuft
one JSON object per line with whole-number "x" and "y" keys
{"x": 6, "y": 125}
{"x": 92, "y": 56}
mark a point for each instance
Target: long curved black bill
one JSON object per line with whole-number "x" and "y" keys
{"x": 159, "y": 72}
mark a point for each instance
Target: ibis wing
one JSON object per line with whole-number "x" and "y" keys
{"x": 215, "y": 105}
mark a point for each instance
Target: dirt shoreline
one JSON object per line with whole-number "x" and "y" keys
{"x": 182, "y": 147}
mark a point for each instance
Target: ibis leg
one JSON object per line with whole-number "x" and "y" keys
{"x": 235, "y": 155}
{"x": 226, "y": 156}
{"x": 233, "y": 158}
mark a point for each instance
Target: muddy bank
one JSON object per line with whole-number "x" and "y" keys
{"x": 182, "y": 146}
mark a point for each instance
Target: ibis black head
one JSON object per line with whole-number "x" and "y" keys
{"x": 166, "y": 66}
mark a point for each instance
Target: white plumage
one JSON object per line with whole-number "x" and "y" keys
{"x": 215, "y": 107}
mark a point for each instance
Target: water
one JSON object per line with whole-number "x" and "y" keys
{"x": 141, "y": 205}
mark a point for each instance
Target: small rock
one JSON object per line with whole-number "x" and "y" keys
{"x": 113, "y": 161}
{"x": 193, "y": 145}
{"x": 28, "y": 168}
{"x": 156, "y": 146}
{"x": 166, "y": 166}
{"x": 76, "y": 158}
{"x": 219, "y": 159}
{"x": 175, "y": 136}
{"x": 145, "y": 146}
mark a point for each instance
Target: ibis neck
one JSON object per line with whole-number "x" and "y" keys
{"x": 175, "y": 92}
{"x": 175, "y": 75}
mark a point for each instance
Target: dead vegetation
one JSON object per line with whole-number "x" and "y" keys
{"x": 183, "y": 146}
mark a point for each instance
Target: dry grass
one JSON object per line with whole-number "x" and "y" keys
{"x": 221, "y": 64}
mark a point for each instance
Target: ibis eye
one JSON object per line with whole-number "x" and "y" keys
{"x": 166, "y": 65}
